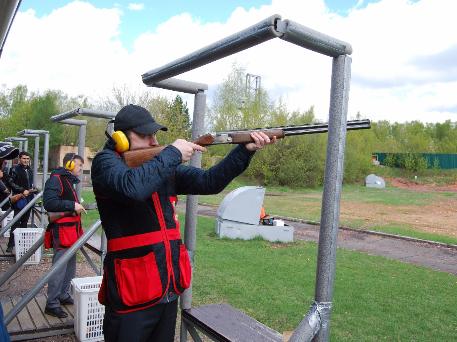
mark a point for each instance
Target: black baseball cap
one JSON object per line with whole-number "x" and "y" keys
{"x": 137, "y": 119}
{"x": 8, "y": 151}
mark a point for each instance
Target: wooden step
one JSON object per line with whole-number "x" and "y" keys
{"x": 222, "y": 322}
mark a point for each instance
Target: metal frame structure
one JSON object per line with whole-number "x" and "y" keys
{"x": 82, "y": 124}
{"x": 36, "y": 154}
{"x": 45, "y": 158}
{"x": 67, "y": 118}
{"x": 23, "y": 142}
{"x": 316, "y": 324}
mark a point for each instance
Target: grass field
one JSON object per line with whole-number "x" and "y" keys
{"x": 375, "y": 299}
{"x": 306, "y": 204}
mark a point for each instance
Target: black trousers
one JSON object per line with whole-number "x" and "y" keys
{"x": 21, "y": 223}
{"x": 157, "y": 323}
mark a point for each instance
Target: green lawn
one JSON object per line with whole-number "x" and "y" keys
{"x": 306, "y": 204}
{"x": 375, "y": 298}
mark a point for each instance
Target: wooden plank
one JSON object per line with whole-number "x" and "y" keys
{"x": 52, "y": 321}
{"x": 69, "y": 310}
{"x": 67, "y": 320}
{"x": 224, "y": 323}
{"x": 24, "y": 318}
{"x": 37, "y": 314}
{"x": 13, "y": 326}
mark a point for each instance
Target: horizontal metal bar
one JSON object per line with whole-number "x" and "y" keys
{"x": 253, "y": 35}
{"x": 21, "y": 213}
{"x": 32, "y": 131}
{"x": 74, "y": 122}
{"x": 313, "y": 40}
{"x": 179, "y": 85}
{"x": 85, "y": 112}
{"x": 29, "y": 135}
{"x": 16, "y": 139}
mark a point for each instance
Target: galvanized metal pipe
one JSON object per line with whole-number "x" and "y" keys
{"x": 89, "y": 260}
{"x": 253, "y": 35}
{"x": 190, "y": 230}
{"x": 85, "y": 112}
{"x": 6, "y": 213}
{"x": 334, "y": 169}
{"x": 21, "y": 213}
{"x": 36, "y": 156}
{"x": 180, "y": 85}
{"x": 4, "y": 202}
{"x": 9, "y": 272}
{"x": 54, "y": 269}
{"x": 313, "y": 40}
{"x": 8, "y": 10}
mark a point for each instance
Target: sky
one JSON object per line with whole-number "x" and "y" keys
{"x": 404, "y": 60}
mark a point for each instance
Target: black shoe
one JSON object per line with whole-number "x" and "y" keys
{"x": 9, "y": 250}
{"x": 56, "y": 312}
{"x": 67, "y": 301}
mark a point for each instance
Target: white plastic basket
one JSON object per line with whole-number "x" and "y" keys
{"x": 24, "y": 238}
{"x": 5, "y": 221}
{"x": 89, "y": 313}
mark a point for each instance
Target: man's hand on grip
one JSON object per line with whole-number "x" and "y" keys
{"x": 187, "y": 148}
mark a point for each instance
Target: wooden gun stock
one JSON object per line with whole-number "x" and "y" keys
{"x": 15, "y": 198}
{"x": 54, "y": 216}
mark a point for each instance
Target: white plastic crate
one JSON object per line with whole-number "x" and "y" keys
{"x": 24, "y": 238}
{"x": 5, "y": 221}
{"x": 89, "y": 313}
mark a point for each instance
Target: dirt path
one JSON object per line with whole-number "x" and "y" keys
{"x": 435, "y": 257}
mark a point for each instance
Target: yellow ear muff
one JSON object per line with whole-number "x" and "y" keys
{"x": 70, "y": 165}
{"x": 122, "y": 142}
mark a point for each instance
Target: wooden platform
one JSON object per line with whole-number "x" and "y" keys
{"x": 32, "y": 322}
{"x": 222, "y": 322}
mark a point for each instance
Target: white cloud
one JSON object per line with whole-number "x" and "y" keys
{"x": 402, "y": 67}
{"x": 134, "y": 6}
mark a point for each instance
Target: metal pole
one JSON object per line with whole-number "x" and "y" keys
{"x": 81, "y": 152}
{"x": 21, "y": 146}
{"x": 54, "y": 269}
{"x": 334, "y": 168}
{"x": 192, "y": 201}
{"x": 19, "y": 214}
{"x": 4, "y": 201}
{"x": 26, "y": 145}
{"x": 45, "y": 170}
{"x": 36, "y": 159}
{"x": 251, "y": 36}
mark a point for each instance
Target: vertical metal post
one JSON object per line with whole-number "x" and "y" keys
{"x": 192, "y": 201}
{"x": 45, "y": 170}
{"x": 36, "y": 158}
{"x": 81, "y": 152}
{"x": 21, "y": 146}
{"x": 26, "y": 145}
{"x": 334, "y": 167}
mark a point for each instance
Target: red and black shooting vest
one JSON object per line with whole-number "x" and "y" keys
{"x": 146, "y": 258}
{"x": 64, "y": 232}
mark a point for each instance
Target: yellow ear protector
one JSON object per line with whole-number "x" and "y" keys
{"x": 70, "y": 165}
{"x": 121, "y": 141}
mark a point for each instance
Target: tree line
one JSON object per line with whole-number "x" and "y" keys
{"x": 294, "y": 161}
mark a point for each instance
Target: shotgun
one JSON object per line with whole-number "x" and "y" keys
{"x": 137, "y": 157}
{"x": 17, "y": 197}
{"x": 55, "y": 215}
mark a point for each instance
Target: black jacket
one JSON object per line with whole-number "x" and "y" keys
{"x": 20, "y": 179}
{"x": 52, "y": 198}
{"x": 137, "y": 203}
